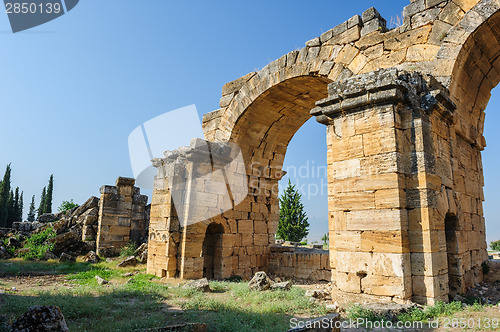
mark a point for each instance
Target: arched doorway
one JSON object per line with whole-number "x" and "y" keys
{"x": 212, "y": 251}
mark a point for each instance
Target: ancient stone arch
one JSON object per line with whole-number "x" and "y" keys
{"x": 404, "y": 114}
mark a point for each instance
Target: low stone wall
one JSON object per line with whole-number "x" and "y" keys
{"x": 300, "y": 262}
{"x": 494, "y": 274}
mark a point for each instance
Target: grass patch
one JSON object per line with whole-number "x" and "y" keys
{"x": 17, "y": 267}
{"x": 88, "y": 277}
{"x": 117, "y": 310}
{"x": 239, "y": 296}
{"x": 431, "y": 312}
{"x": 142, "y": 301}
{"x": 356, "y": 311}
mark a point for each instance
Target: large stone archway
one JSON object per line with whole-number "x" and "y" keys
{"x": 404, "y": 114}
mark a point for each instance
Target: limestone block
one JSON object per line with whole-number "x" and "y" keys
{"x": 383, "y": 219}
{"x": 430, "y": 287}
{"x": 347, "y": 282}
{"x": 422, "y": 52}
{"x": 386, "y": 242}
{"x": 384, "y": 286}
{"x": 429, "y": 264}
{"x": 346, "y": 240}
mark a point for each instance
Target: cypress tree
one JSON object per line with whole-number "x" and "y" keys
{"x": 31, "y": 213}
{"x": 21, "y": 207}
{"x": 41, "y": 207}
{"x": 11, "y": 209}
{"x": 14, "y": 208}
{"x": 293, "y": 224}
{"x": 4, "y": 197}
{"x": 48, "y": 198}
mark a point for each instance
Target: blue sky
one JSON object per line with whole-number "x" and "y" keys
{"x": 73, "y": 89}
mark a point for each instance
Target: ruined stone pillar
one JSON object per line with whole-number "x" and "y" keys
{"x": 121, "y": 216}
{"x": 387, "y": 236}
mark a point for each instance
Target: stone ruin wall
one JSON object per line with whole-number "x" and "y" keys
{"x": 297, "y": 262}
{"x": 122, "y": 217}
{"x": 404, "y": 114}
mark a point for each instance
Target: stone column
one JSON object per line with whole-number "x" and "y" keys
{"x": 385, "y": 237}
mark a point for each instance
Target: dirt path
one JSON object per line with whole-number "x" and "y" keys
{"x": 34, "y": 283}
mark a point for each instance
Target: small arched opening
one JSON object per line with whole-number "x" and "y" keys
{"x": 212, "y": 251}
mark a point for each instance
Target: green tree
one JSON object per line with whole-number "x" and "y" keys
{"x": 293, "y": 224}
{"x": 41, "y": 207}
{"x": 67, "y": 205}
{"x": 495, "y": 245}
{"x": 4, "y": 197}
{"x": 48, "y": 198}
{"x": 32, "y": 211}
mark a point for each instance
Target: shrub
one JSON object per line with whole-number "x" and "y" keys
{"x": 67, "y": 205}
{"x": 128, "y": 250}
{"x": 495, "y": 245}
{"x": 38, "y": 244}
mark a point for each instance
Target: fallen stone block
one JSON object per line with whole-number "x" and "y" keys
{"x": 41, "y": 318}
{"x": 129, "y": 261}
{"x": 200, "y": 284}
{"x": 259, "y": 282}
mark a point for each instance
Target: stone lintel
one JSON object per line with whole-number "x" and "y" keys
{"x": 384, "y": 86}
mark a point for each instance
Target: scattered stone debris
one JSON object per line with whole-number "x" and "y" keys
{"x": 41, "y": 318}
{"x": 69, "y": 243}
{"x": 46, "y": 218}
{"x": 200, "y": 284}
{"x": 331, "y": 307}
{"x": 487, "y": 292}
{"x": 26, "y": 226}
{"x": 129, "y": 274}
{"x": 318, "y": 294}
{"x": 260, "y": 282}
{"x": 14, "y": 243}
{"x": 91, "y": 257}
{"x": 66, "y": 258}
{"x": 4, "y": 254}
{"x": 142, "y": 253}
{"x": 286, "y": 285}
{"x": 129, "y": 261}
{"x": 101, "y": 281}
{"x": 49, "y": 255}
